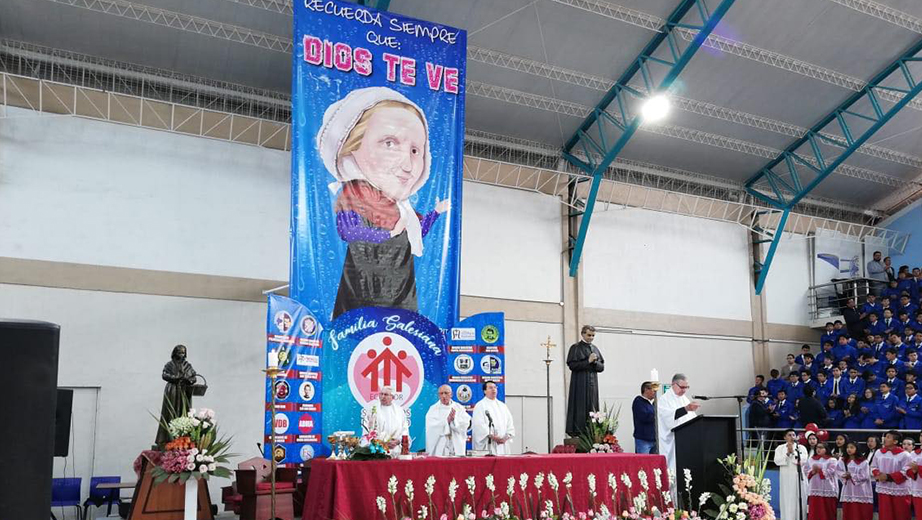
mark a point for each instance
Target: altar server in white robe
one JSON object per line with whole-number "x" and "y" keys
{"x": 673, "y": 408}
{"x": 446, "y": 426}
{"x": 387, "y": 418}
{"x": 788, "y": 457}
{"x": 493, "y": 430}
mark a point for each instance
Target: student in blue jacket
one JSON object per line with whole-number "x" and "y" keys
{"x": 868, "y": 409}
{"x": 794, "y": 388}
{"x": 854, "y": 384}
{"x": 852, "y": 413}
{"x": 822, "y": 387}
{"x": 911, "y": 409}
{"x": 885, "y": 414}
{"x": 834, "y": 416}
{"x": 775, "y": 383}
{"x": 785, "y": 413}
{"x": 894, "y": 382}
{"x": 829, "y": 335}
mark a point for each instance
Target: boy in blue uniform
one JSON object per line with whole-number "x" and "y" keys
{"x": 913, "y": 364}
{"x": 785, "y": 413}
{"x": 822, "y": 387}
{"x": 917, "y": 323}
{"x": 875, "y": 326}
{"x": 911, "y": 409}
{"x": 805, "y": 349}
{"x": 871, "y": 306}
{"x": 884, "y": 411}
{"x": 828, "y": 335}
{"x": 827, "y": 366}
{"x": 854, "y": 384}
{"x": 775, "y": 383}
{"x": 794, "y": 389}
{"x": 837, "y": 384}
{"x": 891, "y": 293}
{"x": 845, "y": 349}
{"x": 895, "y": 383}
{"x": 809, "y": 366}
{"x": 890, "y": 323}
{"x": 908, "y": 307}
{"x": 754, "y": 391}
{"x": 806, "y": 379}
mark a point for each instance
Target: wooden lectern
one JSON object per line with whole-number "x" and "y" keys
{"x": 698, "y": 445}
{"x": 165, "y": 501}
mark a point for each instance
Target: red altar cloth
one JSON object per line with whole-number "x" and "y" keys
{"x": 346, "y": 490}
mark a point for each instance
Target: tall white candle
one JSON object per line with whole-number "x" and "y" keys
{"x": 273, "y": 358}
{"x": 654, "y": 376}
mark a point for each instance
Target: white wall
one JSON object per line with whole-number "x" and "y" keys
{"x": 713, "y": 367}
{"x": 511, "y": 244}
{"x": 91, "y": 192}
{"x": 120, "y": 342}
{"x": 646, "y": 261}
{"x": 788, "y": 282}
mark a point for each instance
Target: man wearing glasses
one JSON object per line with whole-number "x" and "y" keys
{"x": 673, "y": 409}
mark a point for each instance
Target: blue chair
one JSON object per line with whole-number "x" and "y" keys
{"x": 98, "y": 497}
{"x": 65, "y": 492}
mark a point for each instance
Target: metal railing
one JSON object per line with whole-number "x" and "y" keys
{"x": 827, "y": 299}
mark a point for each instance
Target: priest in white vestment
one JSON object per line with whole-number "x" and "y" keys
{"x": 788, "y": 457}
{"x": 673, "y": 408}
{"x": 387, "y": 418}
{"x": 446, "y": 426}
{"x": 492, "y": 426}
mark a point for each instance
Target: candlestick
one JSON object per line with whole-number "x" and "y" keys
{"x": 273, "y": 358}
{"x": 547, "y": 363}
{"x": 654, "y": 376}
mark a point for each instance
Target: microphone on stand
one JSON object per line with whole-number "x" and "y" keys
{"x": 701, "y": 397}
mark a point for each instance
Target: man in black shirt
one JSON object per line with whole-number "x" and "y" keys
{"x": 810, "y": 409}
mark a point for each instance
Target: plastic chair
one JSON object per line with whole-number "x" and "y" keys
{"x": 98, "y": 497}
{"x": 65, "y": 492}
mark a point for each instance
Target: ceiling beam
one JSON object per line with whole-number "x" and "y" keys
{"x": 651, "y": 56}
{"x": 784, "y": 175}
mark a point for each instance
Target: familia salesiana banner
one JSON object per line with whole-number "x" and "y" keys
{"x": 377, "y": 143}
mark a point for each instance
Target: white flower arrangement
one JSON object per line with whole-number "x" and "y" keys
{"x": 408, "y": 490}
{"x": 382, "y": 504}
{"x": 392, "y": 485}
{"x": 489, "y": 483}
{"x": 430, "y": 485}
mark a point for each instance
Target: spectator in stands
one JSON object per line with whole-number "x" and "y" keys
{"x": 845, "y": 350}
{"x": 892, "y": 360}
{"x": 876, "y": 271}
{"x": 864, "y": 364}
{"x": 644, "y": 417}
{"x": 854, "y": 384}
{"x": 827, "y": 366}
{"x": 791, "y": 366}
{"x": 868, "y": 409}
{"x": 754, "y": 391}
{"x": 917, "y": 287}
{"x": 829, "y": 335}
{"x": 785, "y": 414}
{"x": 795, "y": 389}
{"x": 839, "y": 328}
{"x": 917, "y": 324}
{"x": 913, "y": 364}
{"x": 888, "y": 268}
{"x": 806, "y": 378}
{"x": 885, "y": 415}
{"x": 908, "y": 307}
{"x": 843, "y": 367}
{"x": 852, "y": 413}
{"x": 892, "y": 293}
{"x": 903, "y": 323}
{"x": 911, "y": 409}
{"x": 808, "y": 366}
{"x": 809, "y": 410}
{"x": 775, "y": 383}
{"x": 834, "y": 416}
{"x": 904, "y": 281}
{"x": 821, "y": 384}
{"x": 915, "y": 343}
{"x": 869, "y": 306}
{"x": 890, "y": 324}
{"x": 863, "y": 347}
{"x": 804, "y": 350}
{"x": 894, "y": 382}
{"x": 874, "y": 326}
{"x": 884, "y": 305}
{"x": 853, "y": 319}
{"x": 837, "y": 385}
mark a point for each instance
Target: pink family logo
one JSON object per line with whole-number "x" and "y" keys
{"x": 385, "y": 359}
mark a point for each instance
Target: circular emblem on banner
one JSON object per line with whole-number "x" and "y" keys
{"x": 280, "y": 453}
{"x": 281, "y": 424}
{"x": 284, "y": 356}
{"x": 282, "y": 390}
{"x": 308, "y": 325}
{"x": 491, "y": 364}
{"x": 464, "y": 364}
{"x": 307, "y": 452}
{"x": 385, "y": 359}
{"x": 282, "y": 321}
{"x": 307, "y": 390}
{"x": 306, "y": 423}
{"x": 490, "y": 334}
{"x": 464, "y": 394}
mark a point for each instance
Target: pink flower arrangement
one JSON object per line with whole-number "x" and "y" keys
{"x": 175, "y": 461}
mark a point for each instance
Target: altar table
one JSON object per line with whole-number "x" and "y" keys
{"x": 346, "y": 490}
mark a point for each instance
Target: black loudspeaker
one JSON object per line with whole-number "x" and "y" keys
{"x": 62, "y": 413}
{"x": 28, "y": 396}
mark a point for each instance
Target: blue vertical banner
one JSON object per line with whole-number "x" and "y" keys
{"x": 377, "y": 147}
{"x": 296, "y": 336}
{"x": 476, "y": 355}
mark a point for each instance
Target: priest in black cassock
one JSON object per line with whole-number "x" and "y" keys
{"x": 585, "y": 362}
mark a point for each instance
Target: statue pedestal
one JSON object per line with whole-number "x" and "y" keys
{"x": 166, "y": 501}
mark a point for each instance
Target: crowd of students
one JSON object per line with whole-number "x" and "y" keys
{"x": 852, "y": 475}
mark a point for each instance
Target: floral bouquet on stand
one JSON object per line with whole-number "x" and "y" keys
{"x": 369, "y": 447}
{"x": 195, "y": 449}
{"x": 749, "y": 495}
{"x": 599, "y": 434}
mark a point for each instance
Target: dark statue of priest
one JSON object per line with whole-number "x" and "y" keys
{"x": 585, "y": 362}
{"x": 179, "y": 376}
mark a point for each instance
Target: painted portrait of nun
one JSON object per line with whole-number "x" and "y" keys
{"x": 375, "y": 143}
